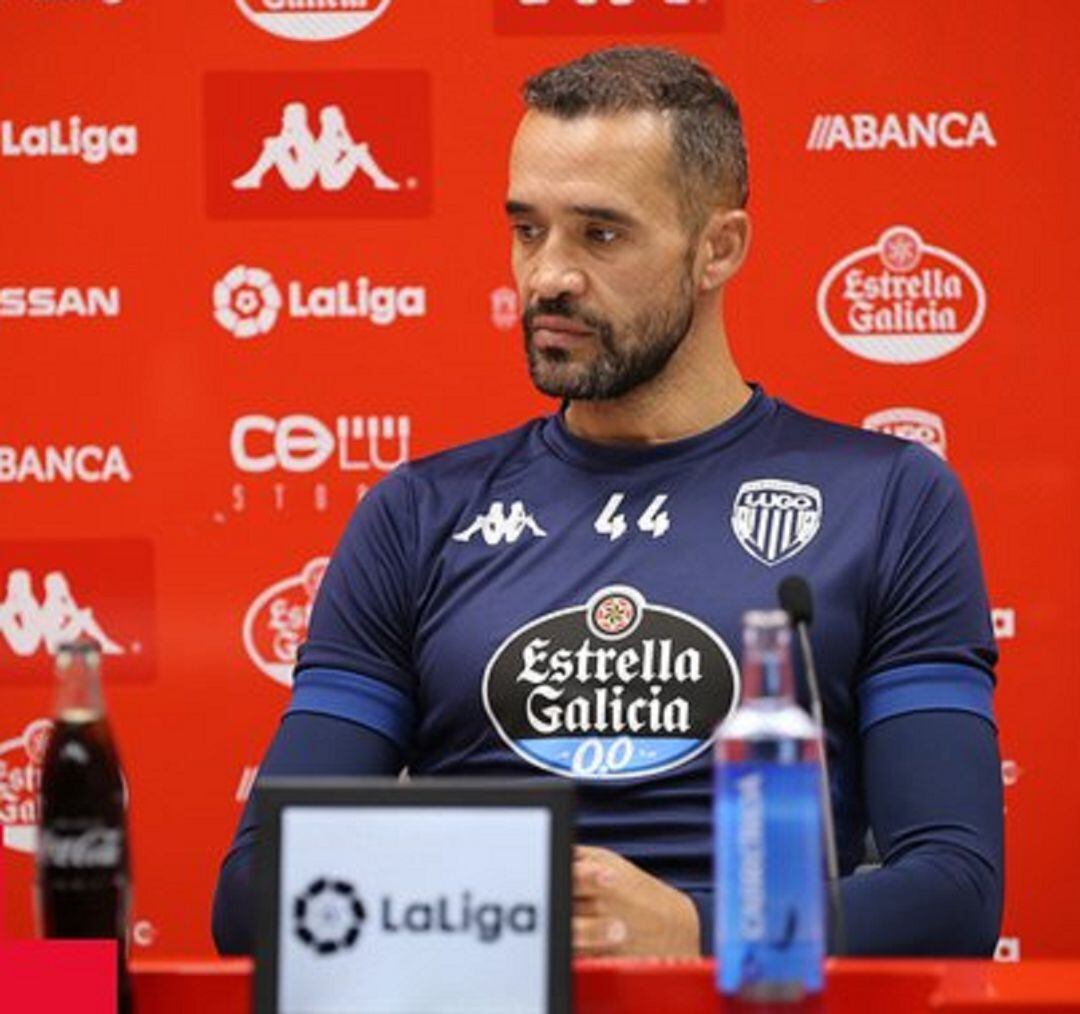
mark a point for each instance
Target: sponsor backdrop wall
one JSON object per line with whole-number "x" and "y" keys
{"x": 254, "y": 256}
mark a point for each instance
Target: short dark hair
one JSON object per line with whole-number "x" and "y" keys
{"x": 706, "y": 128}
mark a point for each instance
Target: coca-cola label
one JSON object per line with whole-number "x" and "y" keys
{"x": 616, "y": 688}
{"x": 98, "y": 848}
{"x": 20, "y": 785}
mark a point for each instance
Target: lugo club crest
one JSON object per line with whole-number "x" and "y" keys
{"x": 774, "y": 519}
{"x": 616, "y": 688}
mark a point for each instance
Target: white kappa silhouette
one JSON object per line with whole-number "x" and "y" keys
{"x": 25, "y": 623}
{"x": 333, "y": 158}
{"x": 497, "y": 526}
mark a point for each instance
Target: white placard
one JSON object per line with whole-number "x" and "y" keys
{"x": 414, "y": 910}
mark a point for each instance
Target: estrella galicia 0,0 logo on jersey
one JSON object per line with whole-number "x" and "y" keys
{"x": 616, "y": 688}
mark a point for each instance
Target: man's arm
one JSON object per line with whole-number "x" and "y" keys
{"x": 305, "y": 744}
{"x": 933, "y": 787}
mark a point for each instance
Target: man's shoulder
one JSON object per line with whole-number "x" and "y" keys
{"x": 465, "y": 464}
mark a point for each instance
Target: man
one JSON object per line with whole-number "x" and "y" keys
{"x": 566, "y": 598}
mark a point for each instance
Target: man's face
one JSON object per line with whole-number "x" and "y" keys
{"x": 601, "y": 256}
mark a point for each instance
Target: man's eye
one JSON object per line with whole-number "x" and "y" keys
{"x": 602, "y": 235}
{"x": 526, "y": 231}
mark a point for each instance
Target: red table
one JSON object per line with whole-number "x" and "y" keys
{"x": 655, "y": 987}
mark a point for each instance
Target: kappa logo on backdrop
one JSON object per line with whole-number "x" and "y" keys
{"x": 559, "y": 17}
{"x": 498, "y": 524}
{"x": 326, "y": 144}
{"x": 901, "y": 300}
{"x": 247, "y": 301}
{"x": 20, "y": 785}
{"x": 93, "y": 143}
{"x": 775, "y": 519}
{"x": 616, "y": 688}
{"x": 312, "y": 20}
{"x": 915, "y": 424}
{"x": 869, "y": 132}
{"x": 52, "y": 592}
{"x": 48, "y": 301}
{"x": 71, "y": 463}
{"x": 276, "y": 623}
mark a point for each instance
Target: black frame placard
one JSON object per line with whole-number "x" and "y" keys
{"x": 273, "y": 795}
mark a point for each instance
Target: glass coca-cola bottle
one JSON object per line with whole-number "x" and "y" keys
{"x": 83, "y": 863}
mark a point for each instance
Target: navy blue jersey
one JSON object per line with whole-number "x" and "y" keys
{"x": 538, "y": 604}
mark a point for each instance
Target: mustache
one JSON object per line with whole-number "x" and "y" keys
{"x": 560, "y": 306}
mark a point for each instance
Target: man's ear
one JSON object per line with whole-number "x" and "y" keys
{"x": 723, "y": 246}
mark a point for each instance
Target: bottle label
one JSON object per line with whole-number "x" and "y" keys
{"x": 770, "y": 870}
{"x": 98, "y": 848}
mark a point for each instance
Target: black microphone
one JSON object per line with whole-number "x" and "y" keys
{"x": 798, "y": 603}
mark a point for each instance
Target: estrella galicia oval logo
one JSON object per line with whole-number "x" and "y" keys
{"x": 616, "y": 688}
{"x": 328, "y": 916}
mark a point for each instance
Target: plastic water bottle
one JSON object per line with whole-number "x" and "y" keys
{"x": 769, "y": 863}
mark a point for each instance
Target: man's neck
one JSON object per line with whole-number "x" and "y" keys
{"x": 700, "y": 388}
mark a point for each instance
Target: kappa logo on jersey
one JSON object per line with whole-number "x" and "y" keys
{"x": 616, "y": 688}
{"x": 621, "y": 17}
{"x": 276, "y": 623}
{"x": 92, "y": 143}
{"x": 868, "y": 132}
{"x": 312, "y": 20}
{"x": 501, "y": 525}
{"x": 20, "y": 785}
{"x": 52, "y": 592}
{"x": 71, "y": 463}
{"x": 901, "y": 300}
{"x": 775, "y": 519}
{"x": 48, "y": 301}
{"x": 247, "y": 301}
{"x": 318, "y": 145}
{"x": 913, "y": 424}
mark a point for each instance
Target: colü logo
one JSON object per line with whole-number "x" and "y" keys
{"x": 312, "y": 20}
{"x": 615, "y": 688}
{"x": 901, "y": 300}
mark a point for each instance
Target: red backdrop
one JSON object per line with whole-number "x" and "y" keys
{"x": 181, "y": 443}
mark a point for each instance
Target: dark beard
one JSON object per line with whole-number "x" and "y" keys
{"x": 614, "y": 371}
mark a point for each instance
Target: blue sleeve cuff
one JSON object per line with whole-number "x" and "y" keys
{"x": 929, "y": 687}
{"x": 361, "y": 699}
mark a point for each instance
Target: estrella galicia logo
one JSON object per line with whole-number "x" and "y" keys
{"x": 616, "y": 688}
{"x": 774, "y": 519}
{"x": 328, "y": 916}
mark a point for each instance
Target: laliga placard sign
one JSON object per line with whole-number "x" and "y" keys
{"x": 901, "y": 300}
{"x": 312, "y": 20}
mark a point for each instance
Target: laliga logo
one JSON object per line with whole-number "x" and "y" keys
{"x": 276, "y": 623}
{"x": 246, "y": 302}
{"x": 20, "y": 785}
{"x": 901, "y": 300}
{"x": 312, "y": 20}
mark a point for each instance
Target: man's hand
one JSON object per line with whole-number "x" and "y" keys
{"x": 620, "y": 911}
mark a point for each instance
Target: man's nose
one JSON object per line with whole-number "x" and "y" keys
{"x": 554, "y": 273}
